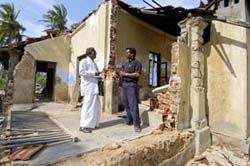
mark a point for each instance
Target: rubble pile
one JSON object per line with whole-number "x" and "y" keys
{"x": 153, "y": 149}
{"x": 162, "y": 104}
{"x": 167, "y": 98}
{"x": 218, "y": 156}
{"x": 164, "y": 101}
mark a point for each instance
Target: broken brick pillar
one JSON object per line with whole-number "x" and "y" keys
{"x": 180, "y": 84}
{"x": 197, "y": 90}
{"x": 111, "y": 87}
{"x": 111, "y": 96}
{"x": 13, "y": 60}
{"x": 14, "y": 56}
{"x": 24, "y": 80}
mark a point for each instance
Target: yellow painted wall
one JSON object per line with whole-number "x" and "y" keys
{"x": 132, "y": 32}
{"x": 227, "y": 80}
{"x": 184, "y": 113}
{"x": 91, "y": 33}
{"x": 54, "y": 50}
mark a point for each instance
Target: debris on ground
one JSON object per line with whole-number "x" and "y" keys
{"x": 218, "y": 155}
{"x": 111, "y": 146}
{"x": 26, "y": 153}
{"x": 17, "y": 138}
{"x": 148, "y": 150}
{"x": 21, "y": 140}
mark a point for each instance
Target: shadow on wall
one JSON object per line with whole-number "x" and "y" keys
{"x": 207, "y": 53}
{"x": 217, "y": 41}
{"x": 218, "y": 45}
{"x": 248, "y": 10}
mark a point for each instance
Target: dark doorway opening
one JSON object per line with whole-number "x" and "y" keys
{"x": 236, "y": 1}
{"x": 226, "y": 3}
{"x": 45, "y": 80}
{"x": 159, "y": 71}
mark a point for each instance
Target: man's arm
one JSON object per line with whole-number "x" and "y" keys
{"x": 131, "y": 75}
{"x": 136, "y": 74}
{"x": 83, "y": 70}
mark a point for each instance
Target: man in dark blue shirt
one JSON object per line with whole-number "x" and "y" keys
{"x": 130, "y": 74}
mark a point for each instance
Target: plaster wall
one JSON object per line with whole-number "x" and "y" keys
{"x": 227, "y": 80}
{"x": 248, "y": 70}
{"x": 93, "y": 32}
{"x": 132, "y": 32}
{"x": 234, "y": 11}
{"x": 184, "y": 112}
{"x": 55, "y": 50}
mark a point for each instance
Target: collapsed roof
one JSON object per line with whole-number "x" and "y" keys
{"x": 166, "y": 18}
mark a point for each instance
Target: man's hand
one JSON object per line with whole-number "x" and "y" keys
{"x": 122, "y": 74}
{"x": 97, "y": 73}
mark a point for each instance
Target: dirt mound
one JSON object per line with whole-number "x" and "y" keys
{"x": 149, "y": 150}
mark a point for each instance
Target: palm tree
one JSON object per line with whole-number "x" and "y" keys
{"x": 10, "y": 32}
{"x": 56, "y": 18}
{"x": 10, "y": 28}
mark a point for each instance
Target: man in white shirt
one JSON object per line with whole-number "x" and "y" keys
{"x": 91, "y": 107}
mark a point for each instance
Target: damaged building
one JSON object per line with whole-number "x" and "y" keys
{"x": 196, "y": 61}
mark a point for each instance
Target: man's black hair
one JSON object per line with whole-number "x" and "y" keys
{"x": 132, "y": 50}
{"x": 89, "y": 51}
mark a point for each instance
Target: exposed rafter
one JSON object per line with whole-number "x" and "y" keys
{"x": 157, "y": 3}
{"x": 148, "y": 4}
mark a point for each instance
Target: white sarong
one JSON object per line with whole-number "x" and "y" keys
{"x": 91, "y": 111}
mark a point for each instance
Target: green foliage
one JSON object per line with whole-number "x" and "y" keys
{"x": 10, "y": 28}
{"x": 41, "y": 79}
{"x": 56, "y": 18}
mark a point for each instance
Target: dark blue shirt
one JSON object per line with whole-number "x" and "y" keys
{"x": 131, "y": 66}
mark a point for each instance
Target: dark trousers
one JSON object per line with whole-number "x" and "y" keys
{"x": 130, "y": 100}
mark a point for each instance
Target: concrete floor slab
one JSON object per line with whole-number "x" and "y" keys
{"x": 111, "y": 130}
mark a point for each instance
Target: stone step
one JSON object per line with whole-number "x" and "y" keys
{"x": 145, "y": 102}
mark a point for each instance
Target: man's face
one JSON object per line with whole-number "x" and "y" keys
{"x": 128, "y": 54}
{"x": 93, "y": 54}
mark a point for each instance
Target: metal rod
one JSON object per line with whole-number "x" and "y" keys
{"x": 148, "y": 4}
{"x": 35, "y": 130}
{"x": 60, "y": 142}
{"x": 33, "y": 140}
{"x": 32, "y": 143}
{"x": 30, "y": 136}
{"x": 15, "y": 134}
{"x": 157, "y": 3}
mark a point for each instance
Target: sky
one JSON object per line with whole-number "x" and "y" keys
{"x": 32, "y": 10}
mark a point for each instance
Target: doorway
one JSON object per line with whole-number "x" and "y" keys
{"x": 45, "y": 80}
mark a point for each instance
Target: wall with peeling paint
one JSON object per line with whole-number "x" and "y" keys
{"x": 132, "y": 32}
{"x": 227, "y": 80}
{"x": 55, "y": 50}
